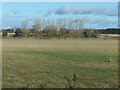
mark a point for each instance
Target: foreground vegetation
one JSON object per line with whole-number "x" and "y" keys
{"x": 60, "y": 63}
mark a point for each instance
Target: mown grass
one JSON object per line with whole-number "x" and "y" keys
{"x": 39, "y": 63}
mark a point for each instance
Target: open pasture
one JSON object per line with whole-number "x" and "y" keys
{"x": 36, "y": 63}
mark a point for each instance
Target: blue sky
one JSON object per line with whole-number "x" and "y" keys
{"x": 94, "y": 14}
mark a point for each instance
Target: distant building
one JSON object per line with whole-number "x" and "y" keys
{"x": 109, "y": 35}
{"x": 1, "y": 34}
{"x": 10, "y": 34}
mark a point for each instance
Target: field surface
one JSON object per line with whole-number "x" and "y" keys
{"x": 45, "y": 63}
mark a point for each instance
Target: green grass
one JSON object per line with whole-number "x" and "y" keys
{"x": 36, "y": 62}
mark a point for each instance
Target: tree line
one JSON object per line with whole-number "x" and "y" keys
{"x": 58, "y": 28}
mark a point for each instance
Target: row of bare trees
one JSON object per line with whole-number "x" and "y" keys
{"x": 60, "y": 27}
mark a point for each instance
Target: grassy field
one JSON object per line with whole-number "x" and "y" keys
{"x": 45, "y": 63}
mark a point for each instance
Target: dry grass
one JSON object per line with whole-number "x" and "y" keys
{"x": 44, "y": 63}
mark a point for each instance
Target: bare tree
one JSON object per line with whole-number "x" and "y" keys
{"x": 25, "y": 28}
{"x": 60, "y": 21}
{"x": 70, "y": 26}
{"x": 59, "y": 25}
{"x": 81, "y": 28}
{"x": 37, "y": 24}
{"x": 43, "y": 24}
{"x": 64, "y": 27}
{"x": 37, "y": 27}
{"x": 64, "y": 23}
{"x": 81, "y": 24}
{"x": 48, "y": 23}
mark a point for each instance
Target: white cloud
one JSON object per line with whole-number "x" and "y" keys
{"x": 95, "y": 10}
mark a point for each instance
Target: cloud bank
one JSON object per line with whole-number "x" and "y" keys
{"x": 95, "y": 10}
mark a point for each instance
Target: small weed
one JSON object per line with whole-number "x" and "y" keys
{"x": 71, "y": 82}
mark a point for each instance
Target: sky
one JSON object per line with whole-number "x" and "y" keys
{"x": 99, "y": 15}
